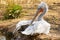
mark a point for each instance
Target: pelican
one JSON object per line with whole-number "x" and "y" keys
{"x": 36, "y": 26}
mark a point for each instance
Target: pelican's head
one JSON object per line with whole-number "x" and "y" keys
{"x": 42, "y": 9}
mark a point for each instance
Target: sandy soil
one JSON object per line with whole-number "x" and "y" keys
{"x": 52, "y": 16}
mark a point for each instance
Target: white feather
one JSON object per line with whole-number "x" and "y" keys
{"x": 37, "y": 27}
{"x": 21, "y": 23}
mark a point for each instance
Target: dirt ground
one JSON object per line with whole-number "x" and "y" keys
{"x": 52, "y": 16}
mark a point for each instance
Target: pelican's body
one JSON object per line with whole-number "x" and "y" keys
{"x": 38, "y": 26}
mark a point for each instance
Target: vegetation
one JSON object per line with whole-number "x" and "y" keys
{"x": 12, "y": 11}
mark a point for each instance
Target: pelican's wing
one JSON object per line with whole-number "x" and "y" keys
{"x": 29, "y": 30}
{"x": 21, "y": 23}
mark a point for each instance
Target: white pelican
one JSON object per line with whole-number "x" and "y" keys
{"x": 38, "y": 26}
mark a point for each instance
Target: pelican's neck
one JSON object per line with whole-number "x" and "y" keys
{"x": 40, "y": 17}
